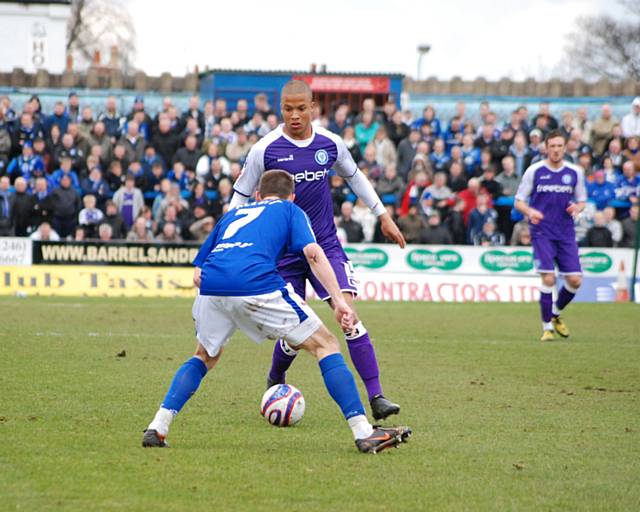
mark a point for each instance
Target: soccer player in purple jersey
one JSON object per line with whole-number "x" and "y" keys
{"x": 308, "y": 154}
{"x": 551, "y": 194}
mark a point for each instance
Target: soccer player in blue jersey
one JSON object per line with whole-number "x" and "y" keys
{"x": 240, "y": 288}
{"x": 551, "y": 194}
{"x": 308, "y": 153}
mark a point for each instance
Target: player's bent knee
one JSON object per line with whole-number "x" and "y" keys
{"x": 203, "y": 355}
{"x": 321, "y": 343}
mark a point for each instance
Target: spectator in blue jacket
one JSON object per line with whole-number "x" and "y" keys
{"x": 111, "y": 119}
{"x": 95, "y": 185}
{"x": 628, "y": 183}
{"x": 59, "y": 118}
{"x": 601, "y": 191}
{"x": 25, "y": 164}
{"x": 479, "y": 216}
{"x": 470, "y": 155}
{"x": 429, "y": 118}
{"x": 65, "y": 170}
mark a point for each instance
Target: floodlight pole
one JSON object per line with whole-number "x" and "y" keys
{"x": 423, "y": 49}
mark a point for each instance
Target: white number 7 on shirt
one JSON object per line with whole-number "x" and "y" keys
{"x": 248, "y": 216}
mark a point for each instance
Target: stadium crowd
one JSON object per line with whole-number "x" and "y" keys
{"x": 167, "y": 176}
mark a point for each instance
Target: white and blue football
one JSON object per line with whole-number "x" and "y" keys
{"x": 282, "y": 405}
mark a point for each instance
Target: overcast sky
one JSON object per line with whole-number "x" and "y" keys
{"x": 469, "y": 38}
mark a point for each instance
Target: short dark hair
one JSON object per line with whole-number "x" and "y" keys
{"x": 553, "y": 134}
{"x": 276, "y": 183}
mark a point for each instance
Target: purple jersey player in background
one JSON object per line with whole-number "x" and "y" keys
{"x": 309, "y": 154}
{"x": 551, "y": 194}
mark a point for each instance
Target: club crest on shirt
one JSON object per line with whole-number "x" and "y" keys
{"x": 321, "y": 157}
{"x": 566, "y": 179}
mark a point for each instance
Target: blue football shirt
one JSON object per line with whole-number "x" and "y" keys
{"x": 239, "y": 257}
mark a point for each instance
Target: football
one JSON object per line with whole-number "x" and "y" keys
{"x": 282, "y": 405}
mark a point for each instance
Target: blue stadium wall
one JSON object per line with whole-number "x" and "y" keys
{"x": 233, "y": 85}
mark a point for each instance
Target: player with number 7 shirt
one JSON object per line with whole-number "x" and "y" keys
{"x": 308, "y": 153}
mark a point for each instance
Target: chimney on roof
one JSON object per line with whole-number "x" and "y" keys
{"x": 114, "y": 58}
{"x": 323, "y": 68}
{"x": 96, "y": 59}
{"x": 313, "y": 67}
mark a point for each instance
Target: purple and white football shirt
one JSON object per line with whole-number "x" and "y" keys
{"x": 551, "y": 191}
{"x": 309, "y": 162}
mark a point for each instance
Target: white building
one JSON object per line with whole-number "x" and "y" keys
{"x": 34, "y": 35}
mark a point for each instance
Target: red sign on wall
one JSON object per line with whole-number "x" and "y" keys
{"x": 352, "y": 84}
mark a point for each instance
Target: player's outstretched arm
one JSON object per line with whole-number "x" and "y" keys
{"x": 322, "y": 270}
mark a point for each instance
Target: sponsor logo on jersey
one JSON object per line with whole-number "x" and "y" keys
{"x": 230, "y": 245}
{"x": 286, "y": 159}
{"x": 559, "y": 189}
{"x": 566, "y": 179}
{"x": 321, "y": 157}
{"x": 299, "y": 177}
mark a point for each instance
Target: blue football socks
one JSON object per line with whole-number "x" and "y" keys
{"x": 341, "y": 385}
{"x": 184, "y": 384}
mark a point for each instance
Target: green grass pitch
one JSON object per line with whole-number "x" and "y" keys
{"x": 501, "y": 421}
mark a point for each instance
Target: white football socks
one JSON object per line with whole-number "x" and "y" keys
{"x": 162, "y": 421}
{"x": 360, "y": 426}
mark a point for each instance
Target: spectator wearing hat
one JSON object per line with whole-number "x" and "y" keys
{"x": 435, "y": 233}
{"x": 535, "y": 143}
{"x": 631, "y": 122}
{"x": 138, "y": 106}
